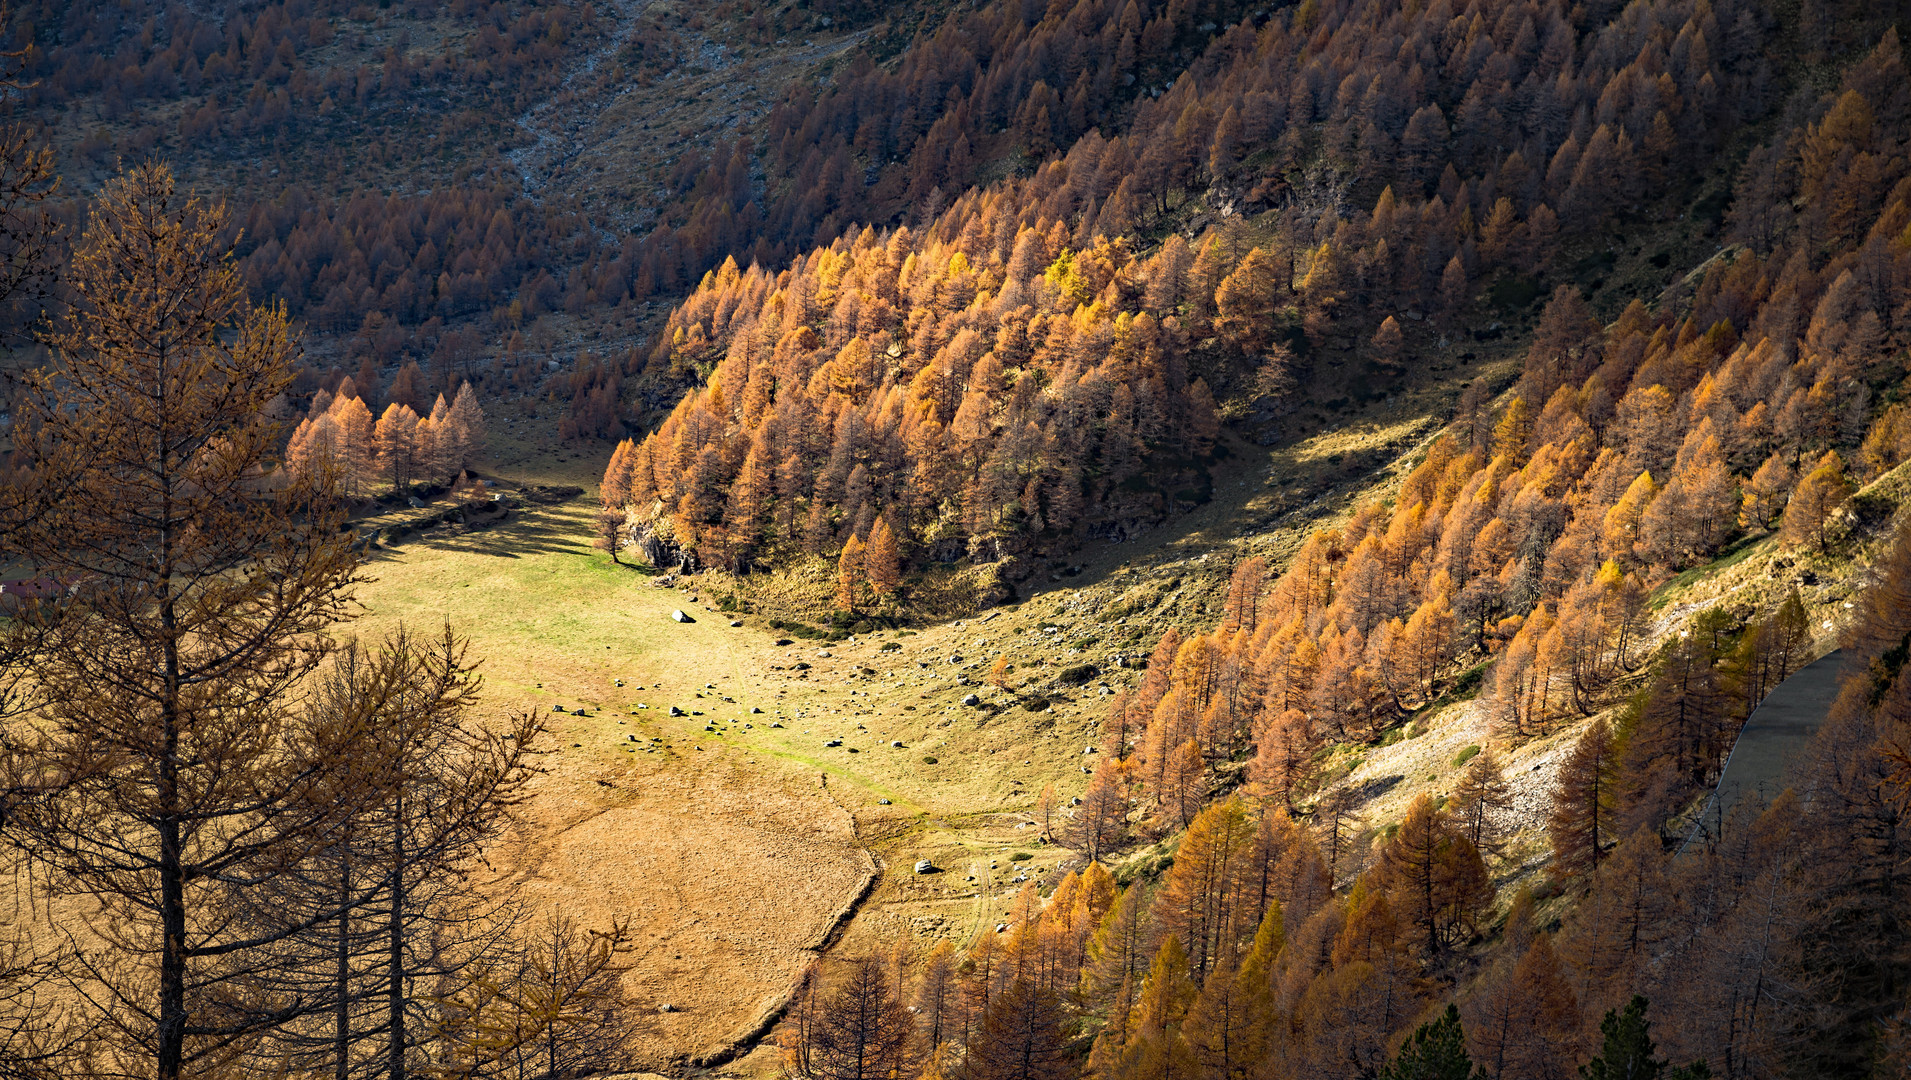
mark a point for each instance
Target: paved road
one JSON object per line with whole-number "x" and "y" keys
{"x": 1772, "y": 740}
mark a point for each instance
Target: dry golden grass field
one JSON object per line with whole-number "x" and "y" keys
{"x": 733, "y": 836}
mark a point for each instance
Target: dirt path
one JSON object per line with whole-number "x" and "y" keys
{"x": 1772, "y": 740}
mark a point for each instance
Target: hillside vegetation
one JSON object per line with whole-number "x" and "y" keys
{"x": 1171, "y": 540}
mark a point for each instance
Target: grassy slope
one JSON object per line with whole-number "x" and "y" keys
{"x": 556, "y": 623}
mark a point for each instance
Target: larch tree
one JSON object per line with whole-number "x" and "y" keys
{"x": 849, "y": 574}
{"x": 1200, "y": 902}
{"x": 936, "y": 999}
{"x": 999, "y": 673}
{"x": 1809, "y": 509}
{"x": 1021, "y": 1038}
{"x": 1101, "y": 821}
{"x": 864, "y": 1031}
{"x": 1183, "y": 784}
{"x": 1481, "y": 791}
{"x": 1387, "y": 343}
{"x": 1283, "y": 762}
{"x": 1766, "y": 492}
{"x": 1583, "y": 803}
{"x": 553, "y": 1006}
{"x": 1435, "y": 875}
{"x": 397, "y": 440}
{"x": 1242, "y": 610}
{"x": 356, "y": 442}
{"x": 882, "y": 561}
{"x": 167, "y": 767}
{"x": 467, "y": 427}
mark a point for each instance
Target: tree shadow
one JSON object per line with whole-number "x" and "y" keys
{"x": 562, "y": 529}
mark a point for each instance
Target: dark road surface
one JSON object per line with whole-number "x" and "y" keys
{"x": 1773, "y": 738}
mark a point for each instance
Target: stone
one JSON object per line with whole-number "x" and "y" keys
{"x": 675, "y": 711}
{"x": 557, "y": 708}
{"x": 666, "y": 1008}
{"x": 755, "y": 709}
{"x": 736, "y": 622}
{"x": 832, "y": 742}
{"x": 971, "y": 699}
{"x": 923, "y": 866}
{"x": 882, "y": 802}
{"x": 824, "y": 653}
{"x": 782, "y": 641}
{"x": 897, "y": 743}
{"x": 678, "y": 615}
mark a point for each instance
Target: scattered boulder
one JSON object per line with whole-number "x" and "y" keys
{"x": 824, "y": 653}
{"x": 924, "y": 866}
{"x": 832, "y": 742}
{"x": 666, "y": 1008}
{"x": 678, "y": 615}
{"x": 736, "y": 622}
{"x": 897, "y": 743}
{"x": 755, "y": 709}
{"x": 675, "y": 711}
{"x": 971, "y": 699}
{"x": 882, "y": 802}
{"x": 782, "y": 641}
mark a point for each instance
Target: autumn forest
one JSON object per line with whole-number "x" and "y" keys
{"x": 1422, "y": 489}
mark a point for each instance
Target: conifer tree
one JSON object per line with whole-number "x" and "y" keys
{"x": 1021, "y": 1038}
{"x": 1481, "y": 790}
{"x": 167, "y": 741}
{"x": 397, "y": 439}
{"x": 850, "y": 574}
{"x": 1809, "y": 509}
{"x": 1435, "y": 1051}
{"x": 1626, "y": 1052}
{"x": 882, "y": 560}
{"x": 1583, "y": 804}
{"x": 864, "y": 1031}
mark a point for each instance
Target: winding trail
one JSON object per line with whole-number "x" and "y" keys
{"x": 558, "y": 134}
{"x": 1773, "y": 739}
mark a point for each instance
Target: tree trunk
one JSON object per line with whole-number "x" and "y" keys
{"x": 342, "y": 1009}
{"x": 395, "y": 931}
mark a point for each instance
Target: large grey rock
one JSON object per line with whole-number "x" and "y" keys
{"x": 971, "y": 699}
{"x": 679, "y": 616}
